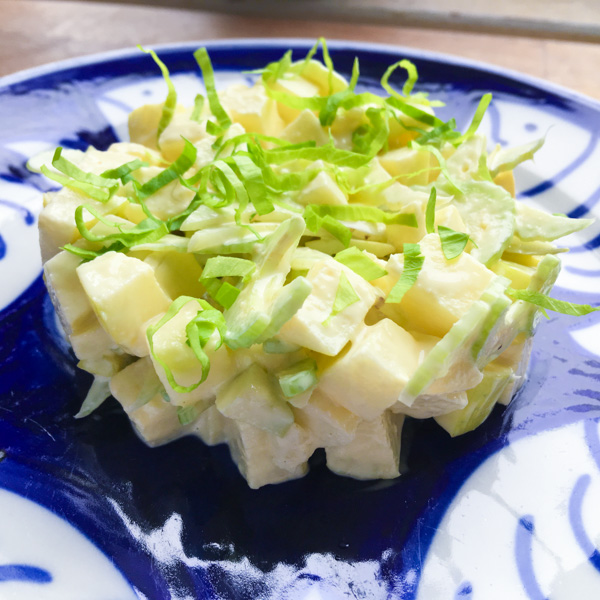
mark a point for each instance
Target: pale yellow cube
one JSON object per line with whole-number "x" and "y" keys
{"x": 370, "y": 377}
{"x": 374, "y": 453}
{"x": 124, "y": 294}
{"x": 312, "y": 326}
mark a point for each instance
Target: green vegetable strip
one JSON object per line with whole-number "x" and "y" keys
{"x": 198, "y": 106}
{"x": 477, "y": 118}
{"x": 228, "y": 266}
{"x": 203, "y": 60}
{"x": 409, "y": 84}
{"x": 226, "y": 295}
{"x": 147, "y": 231}
{"x": 455, "y": 188}
{"x": 360, "y": 263}
{"x": 95, "y": 186}
{"x": 171, "y": 100}
{"x": 415, "y": 113}
{"x": 329, "y": 111}
{"x": 185, "y": 161}
{"x": 336, "y": 229}
{"x": 198, "y": 330}
{"x": 413, "y": 262}
{"x": 327, "y": 153}
{"x": 99, "y": 391}
{"x": 315, "y": 213}
{"x": 370, "y": 139}
{"x": 298, "y": 378}
{"x": 188, "y": 414}
{"x": 548, "y": 303}
{"x": 430, "y": 211}
{"x": 345, "y": 296}
{"x": 124, "y": 171}
{"x": 453, "y": 242}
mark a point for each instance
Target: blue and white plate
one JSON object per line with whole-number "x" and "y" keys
{"x": 87, "y": 511}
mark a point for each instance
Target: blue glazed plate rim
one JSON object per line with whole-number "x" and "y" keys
{"x": 539, "y": 83}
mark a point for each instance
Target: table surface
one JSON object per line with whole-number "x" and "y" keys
{"x": 34, "y": 32}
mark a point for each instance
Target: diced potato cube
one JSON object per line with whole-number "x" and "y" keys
{"x": 372, "y": 194}
{"x": 124, "y": 294}
{"x": 312, "y": 327}
{"x": 155, "y": 421}
{"x": 329, "y": 423}
{"x": 442, "y": 293}
{"x": 143, "y": 125}
{"x": 370, "y": 377}
{"x": 374, "y": 453}
{"x": 170, "y": 348}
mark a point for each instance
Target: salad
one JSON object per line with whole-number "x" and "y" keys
{"x": 293, "y": 265}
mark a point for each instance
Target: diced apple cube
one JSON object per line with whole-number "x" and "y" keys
{"x": 177, "y": 273}
{"x": 443, "y": 291}
{"x": 252, "y": 109}
{"x": 296, "y": 86}
{"x": 432, "y": 405}
{"x": 329, "y": 423}
{"x": 374, "y": 453}
{"x": 124, "y": 294}
{"x": 370, "y": 377}
{"x": 67, "y": 294}
{"x": 253, "y": 397}
{"x": 322, "y": 190}
{"x": 305, "y": 127}
{"x": 408, "y": 165}
{"x": 252, "y": 451}
{"x": 171, "y": 349}
{"x": 156, "y": 420}
{"x": 312, "y": 327}
{"x": 210, "y": 426}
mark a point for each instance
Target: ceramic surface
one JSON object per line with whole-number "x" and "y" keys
{"x": 88, "y": 511}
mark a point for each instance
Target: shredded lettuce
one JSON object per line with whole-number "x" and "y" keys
{"x": 413, "y": 262}
{"x": 199, "y": 330}
{"x": 345, "y": 296}
{"x": 360, "y": 263}
{"x": 314, "y": 215}
{"x": 99, "y": 391}
{"x": 228, "y": 266}
{"x": 453, "y": 242}
{"x": 477, "y": 118}
{"x": 547, "y": 303}
{"x": 430, "y": 211}
{"x": 171, "y": 100}
{"x": 95, "y": 186}
{"x": 184, "y": 161}
{"x": 410, "y": 82}
{"x": 188, "y": 414}
{"x": 203, "y": 60}
{"x": 124, "y": 171}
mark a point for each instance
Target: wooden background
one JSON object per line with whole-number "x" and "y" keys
{"x": 553, "y": 39}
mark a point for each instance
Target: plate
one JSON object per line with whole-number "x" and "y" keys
{"x": 90, "y": 512}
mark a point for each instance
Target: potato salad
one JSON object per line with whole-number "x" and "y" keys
{"x": 294, "y": 265}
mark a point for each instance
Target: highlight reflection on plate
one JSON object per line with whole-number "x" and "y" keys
{"x": 505, "y": 512}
